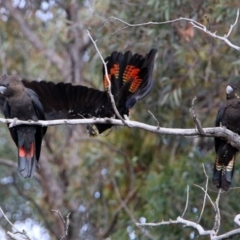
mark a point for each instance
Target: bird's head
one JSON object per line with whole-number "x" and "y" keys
{"x": 11, "y": 85}
{"x": 233, "y": 88}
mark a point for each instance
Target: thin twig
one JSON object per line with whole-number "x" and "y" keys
{"x": 232, "y": 26}
{"x": 158, "y": 125}
{"x": 200, "y": 229}
{"x": 194, "y": 23}
{"x": 109, "y": 82}
{"x": 195, "y": 119}
{"x": 23, "y": 232}
{"x": 2, "y": 212}
{"x": 208, "y": 21}
{"x": 205, "y": 194}
{"x": 14, "y": 236}
{"x": 217, "y": 222}
{"x": 65, "y": 223}
{"x": 186, "y": 206}
{"x": 209, "y": 198}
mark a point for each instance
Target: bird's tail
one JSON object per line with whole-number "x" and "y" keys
{"x": 27, "y": 160}
{"x": 131, "y": 80}
{"x": 130, "y": 76}
{"x": 224, "y": 168}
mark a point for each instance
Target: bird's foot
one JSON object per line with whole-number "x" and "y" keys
{"x": 125, "y": 117}
{"x": 14, "y": 123}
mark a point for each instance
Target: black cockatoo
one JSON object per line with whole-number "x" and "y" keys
{"x": 228, "y": 116}
{"x": 23, "y": 103}
{"x": 131, "y": 80}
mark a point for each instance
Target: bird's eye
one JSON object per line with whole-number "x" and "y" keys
{"x": 229, "y": 89}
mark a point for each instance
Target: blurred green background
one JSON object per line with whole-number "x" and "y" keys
{"x": 83, "y": 175}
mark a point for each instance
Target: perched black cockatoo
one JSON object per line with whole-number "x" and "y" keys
{"x": 228, "y": 116}
{"x": 131, "y": 80}
{"x": 23, "y": 103}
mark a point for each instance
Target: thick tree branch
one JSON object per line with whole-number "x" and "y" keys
{"x": 222, "y": 132}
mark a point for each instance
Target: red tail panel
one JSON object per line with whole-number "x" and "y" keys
{"x": 113, "y": 71}
{"x": 22, "y": 152}
{"x": 131, "y": 72}
{"x": 27, "y": 161}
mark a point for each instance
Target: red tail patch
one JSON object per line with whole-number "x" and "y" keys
{"x": 131, "y": 74}
{"x": 114, "y": 71}
{"x": 23, "y": 153}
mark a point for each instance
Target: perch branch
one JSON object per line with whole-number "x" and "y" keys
{"x": 222, "y": 132}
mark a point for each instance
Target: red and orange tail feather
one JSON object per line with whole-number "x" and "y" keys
{"x": 26, "y": 160}
{"x": 133, "y": 70}
{"x": 24, "y": 153}
{"x": 21, "y": 152}
{"x": 131, "y": 73}
{"x": 113, "y": 72}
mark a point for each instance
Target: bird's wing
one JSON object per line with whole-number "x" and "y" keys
{"x": 37, "y": 104}
{"x": 40, "y": 131}
{"x": 218, "y": 122}
{"x": 6, "y": 111}
{"x": 220, "y": 114}
{"x": 64, "y": 100}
